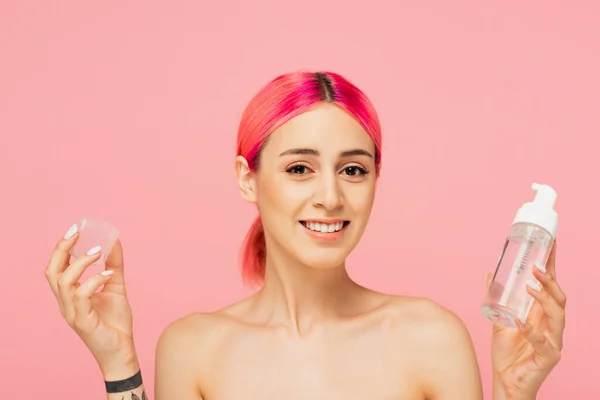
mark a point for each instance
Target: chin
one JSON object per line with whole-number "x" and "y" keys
{"x": 322, "y": 258}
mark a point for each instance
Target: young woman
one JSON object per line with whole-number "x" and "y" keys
{"x": 309, "y": 154}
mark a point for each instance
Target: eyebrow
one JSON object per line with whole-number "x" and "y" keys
{"x": 312, "y": 152}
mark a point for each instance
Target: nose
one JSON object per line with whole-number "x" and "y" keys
{"x": 328, "y": 193}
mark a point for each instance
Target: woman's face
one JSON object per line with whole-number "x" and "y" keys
{"x": 314, "y": 187}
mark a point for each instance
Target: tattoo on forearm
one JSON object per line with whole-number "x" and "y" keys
{"x": 136, "y": 397}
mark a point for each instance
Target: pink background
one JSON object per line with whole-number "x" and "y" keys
{"x": 128, "y": 111}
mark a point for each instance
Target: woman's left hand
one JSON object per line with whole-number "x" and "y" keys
{"x": 523, "y": 358}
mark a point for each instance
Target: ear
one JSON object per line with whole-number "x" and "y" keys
{"x": 246, "y": 180}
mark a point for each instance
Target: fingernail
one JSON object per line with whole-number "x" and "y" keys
{"x": 108, "y": 272}
{"x": 534, "y": 285}
{"x": 540, "y": 266}
{"x": 72, "y": 230}
{"x": 522, "y": 319}
{"x": 93, "y": 250}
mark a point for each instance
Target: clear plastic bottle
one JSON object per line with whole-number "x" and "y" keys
{"x": 529, "y": 242}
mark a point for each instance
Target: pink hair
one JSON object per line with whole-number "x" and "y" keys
{"x": 279, "y": 101}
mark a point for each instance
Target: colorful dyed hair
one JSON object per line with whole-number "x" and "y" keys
{"x": 279, "y": 101}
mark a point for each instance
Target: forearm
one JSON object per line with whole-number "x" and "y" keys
{"x": 499, "y": 394}
{"x": 135, "y": 394}
{"x": 124, "y": 382}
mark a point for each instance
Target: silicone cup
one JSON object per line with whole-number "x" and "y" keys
{"x": 94, "y": 233}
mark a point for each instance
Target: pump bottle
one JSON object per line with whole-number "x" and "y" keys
{"x": 529, "y": 242}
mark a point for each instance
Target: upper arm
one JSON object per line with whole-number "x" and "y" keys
{"x": 176, "y": 374}
{"x": 451, "y": 370}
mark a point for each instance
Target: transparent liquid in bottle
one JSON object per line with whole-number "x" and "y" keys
{"x": 507, "y": 297}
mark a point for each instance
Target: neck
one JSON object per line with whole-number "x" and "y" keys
{"x": 301, "y": 297}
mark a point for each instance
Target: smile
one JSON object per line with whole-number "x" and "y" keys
{"x": 325, "y": 227}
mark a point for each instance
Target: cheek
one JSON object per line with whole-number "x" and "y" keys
{"x": 360, "y": 197}
{"x": 283, "y": 197}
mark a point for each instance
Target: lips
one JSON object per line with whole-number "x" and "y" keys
{"x": 325, "y": 231}
{"x": 325, "y": 226}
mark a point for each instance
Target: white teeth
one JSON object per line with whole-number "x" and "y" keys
{"x": 325, "y": 228}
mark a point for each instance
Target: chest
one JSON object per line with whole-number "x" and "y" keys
{"x": 339, "y": 368}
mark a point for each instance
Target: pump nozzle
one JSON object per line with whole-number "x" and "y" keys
{"x": 540, "y": 211}
{"x": 544, "y": 195}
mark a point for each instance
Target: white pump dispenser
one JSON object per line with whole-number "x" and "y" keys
{"x": 540, "y": 211}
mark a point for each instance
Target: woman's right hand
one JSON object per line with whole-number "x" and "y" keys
{"x": 102, "y": 319}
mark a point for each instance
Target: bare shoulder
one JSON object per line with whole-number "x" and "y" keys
{"x": 195, "y": 335}
{"x": 184, "y": 353}
{"x": 439, "y": 345}
{"x": 186, "y": 332}
{"x": 427, "y": 326}
{"x": 430, "y": 320}
{"x": 202, "y": 332}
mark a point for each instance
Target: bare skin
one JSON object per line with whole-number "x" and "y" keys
{"x": 310, "y": 331}
{"x": 388, "y": 348}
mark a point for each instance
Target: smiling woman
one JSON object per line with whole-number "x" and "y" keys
{"x": 308, "y": 157}
{"x": 277, "y": 105}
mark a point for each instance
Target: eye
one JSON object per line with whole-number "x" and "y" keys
{"x": 298, "y": 169}
{"x": 354, "y": 170}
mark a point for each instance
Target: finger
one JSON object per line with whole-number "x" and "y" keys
{"x": 67, "y": 282}
{"x": 551, "y": 263}
{"x": 554, "y": 312}
{"x": 551, "y": 286}
{"x": 59, "y": 260}
{"x": 536, "y": 314}
{"x": 540, "y": 343}
{"x": 114, "y": 262}
{"x": 82, "y": 299}
{"x": 74, "y": 271}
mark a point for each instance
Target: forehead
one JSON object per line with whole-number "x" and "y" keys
{"x": 324, "y": 127}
